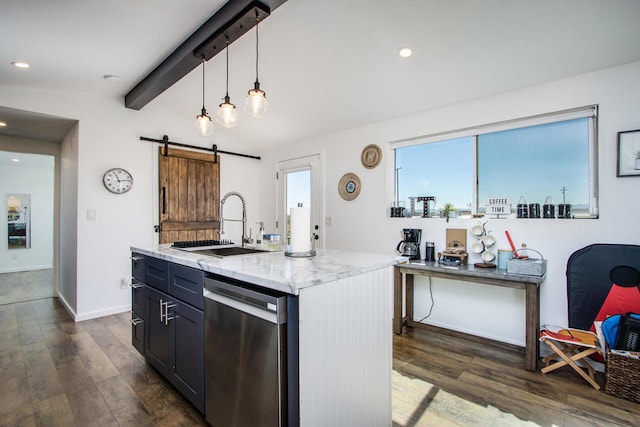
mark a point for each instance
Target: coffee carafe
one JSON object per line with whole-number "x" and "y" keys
{"x": 410, "y": 245}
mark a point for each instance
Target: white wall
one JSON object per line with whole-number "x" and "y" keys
{"x": 108, "y": 134}
{"x": 95, "y": 253}
{"x": 364, "y": 225}
{"x": 38, "y": 183}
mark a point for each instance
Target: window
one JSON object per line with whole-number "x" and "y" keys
{"x": 543, "y": 159}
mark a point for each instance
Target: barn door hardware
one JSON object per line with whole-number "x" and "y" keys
{"x": 165, "y": 141}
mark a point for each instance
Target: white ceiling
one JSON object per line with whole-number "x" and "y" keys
{"x": 326, "y": 65}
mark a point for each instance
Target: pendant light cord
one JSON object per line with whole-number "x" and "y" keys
{"x": 257, "y": 22}
{"x": 203, "y": 61}
{"x": 227, "y": 50}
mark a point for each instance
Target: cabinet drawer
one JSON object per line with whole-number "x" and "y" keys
{"x": 156, "y": 273}
{"x": 186, "y": 283}
{"x": 137, "y": 266}
{"x": 138, "y": 301}
{"x": 137, "y": 333}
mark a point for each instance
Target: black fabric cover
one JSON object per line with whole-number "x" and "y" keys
{"x": 589, "y": 278}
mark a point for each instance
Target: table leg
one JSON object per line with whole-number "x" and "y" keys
{"x": 397, "y": 301}
{"x": 532, "y": 333}
{"x": 408, "y": 281}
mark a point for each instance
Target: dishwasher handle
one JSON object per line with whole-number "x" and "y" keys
{"x": 270, "y": 307}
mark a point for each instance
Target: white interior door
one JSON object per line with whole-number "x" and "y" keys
{"x": 299, "y": 182}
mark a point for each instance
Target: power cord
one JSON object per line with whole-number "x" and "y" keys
{"x": 432, "y": 302}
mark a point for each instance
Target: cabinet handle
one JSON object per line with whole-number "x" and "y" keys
{"x": 136, "y": 258}
{"x": 167, "y": 306}
{"x": 135, "y": 321}
{"x": 161, "y": 310}
{"x": 136, "y": 285}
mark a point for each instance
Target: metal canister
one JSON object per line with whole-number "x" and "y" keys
{"x": 522, "y": 209}
{"x": 564, "y": 210}
{"x": 534, "y": 210}
{"x": 548, "y": 209}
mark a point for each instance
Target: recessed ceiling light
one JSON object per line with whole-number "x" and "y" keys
{"x": 3, "y": 124}
{"x": 404, "y": 52}
{"x": 15, "y": 160}
{"x": 20, "y": 64}
{"x": 111, "y": 77}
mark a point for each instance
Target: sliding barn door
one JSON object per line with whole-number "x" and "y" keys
{"x": 189, "y": 195}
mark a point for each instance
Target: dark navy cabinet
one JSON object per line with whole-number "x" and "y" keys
{"x": 138, "y": 307}
{"x": 173, "y": 340}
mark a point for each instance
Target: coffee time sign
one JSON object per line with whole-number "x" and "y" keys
{"x": 498, "y": 206}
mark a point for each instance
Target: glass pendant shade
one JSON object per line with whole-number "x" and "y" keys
{"x": 256, "y": 102}
{"x": 203, "y": 124}
{"x": 227, "y": 114}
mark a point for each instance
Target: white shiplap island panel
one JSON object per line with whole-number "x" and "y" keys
{"x": 346, "y": 351}
{"x": 345, "y": 311}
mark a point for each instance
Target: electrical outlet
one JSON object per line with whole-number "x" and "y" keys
{"x": 124, "y": 283}
{"x": 14, "y": 256}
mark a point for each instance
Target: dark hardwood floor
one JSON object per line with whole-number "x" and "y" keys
{"x": 495, "y": 387}
{"x": 59, "y": 373}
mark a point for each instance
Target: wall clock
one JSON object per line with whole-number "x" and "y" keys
{"x": 117, "y": 180}
{"x": 349, "y": 186}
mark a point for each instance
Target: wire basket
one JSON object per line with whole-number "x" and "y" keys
{"x": 622, "y": 377}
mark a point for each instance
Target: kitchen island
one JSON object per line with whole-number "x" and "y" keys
{"x": 343, "y": 327}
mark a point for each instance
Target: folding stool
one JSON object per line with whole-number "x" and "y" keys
{"x": 572, "y": 346}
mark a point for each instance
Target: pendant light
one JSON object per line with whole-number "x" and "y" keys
{"x": 227, "y": 114}
{"x": 203, "y": 122}
{"x": 256, "y": 102}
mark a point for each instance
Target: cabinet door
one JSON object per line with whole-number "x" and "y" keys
{"x": 157, "y": 334}
{"x": 188, "y": 356}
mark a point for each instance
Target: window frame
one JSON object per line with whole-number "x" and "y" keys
{"x": 589, "y": 112}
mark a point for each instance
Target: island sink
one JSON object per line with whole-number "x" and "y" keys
{"x": 224, "y": 252}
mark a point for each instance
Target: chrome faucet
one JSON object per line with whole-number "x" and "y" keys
{"x": 243, "y": 220}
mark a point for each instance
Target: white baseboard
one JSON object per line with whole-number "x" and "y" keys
{"x": 92, "y": 315}
{"x": 101, "y": 313}
{"x": 21, "y": 269}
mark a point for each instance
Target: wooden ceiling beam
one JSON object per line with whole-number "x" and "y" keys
{"x": 231, "y": 21}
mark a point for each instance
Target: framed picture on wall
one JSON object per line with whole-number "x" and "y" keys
{"x": 629, "y": 153}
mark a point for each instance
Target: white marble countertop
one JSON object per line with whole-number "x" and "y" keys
{"x": 276, "y": 271}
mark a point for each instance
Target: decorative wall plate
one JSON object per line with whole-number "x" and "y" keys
{"x": 349, "y": 186}
{"x": 371, "y": 156}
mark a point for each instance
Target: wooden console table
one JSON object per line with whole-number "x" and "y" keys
{"x": 469, "y": 273}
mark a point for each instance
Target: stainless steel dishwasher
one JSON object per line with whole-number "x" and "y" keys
{"x": 245, "y": 354}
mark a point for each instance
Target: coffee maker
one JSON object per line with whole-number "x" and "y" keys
{"x": 410, "y": 245}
